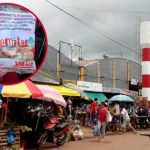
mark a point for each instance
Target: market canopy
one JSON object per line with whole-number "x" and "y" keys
{"x": 26, "y": 89}
{"x": 51, "y": 94}
{"x": 66, "y": 91}
{"x": 100, "y": 96}
{"x": 75, "y": 87}
{"x": 121, "y": 98}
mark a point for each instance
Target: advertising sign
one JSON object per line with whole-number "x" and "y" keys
{"x": 134, "y": 81}
{"x": 17, "y": 41}
{"x": 90, "y": 86}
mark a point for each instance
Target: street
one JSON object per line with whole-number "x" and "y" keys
{"x": 127, "y": 141}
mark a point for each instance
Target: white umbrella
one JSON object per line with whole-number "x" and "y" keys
{"x": 121, "y": 98}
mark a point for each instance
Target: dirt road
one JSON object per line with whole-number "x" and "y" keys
{"x": 128, "y": 141}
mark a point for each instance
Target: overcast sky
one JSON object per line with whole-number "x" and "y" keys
{"x": 108, "y": 27}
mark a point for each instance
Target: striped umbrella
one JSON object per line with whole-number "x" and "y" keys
{"x": 28, "y": 89}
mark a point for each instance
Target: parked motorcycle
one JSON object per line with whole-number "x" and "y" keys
{"x": 139, "y": 119}
{"x": 55, "y": 131}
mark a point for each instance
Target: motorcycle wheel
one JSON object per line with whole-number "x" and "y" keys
{"x": 134, "y": 124}
{"x": 61, "y": 139}
{"x": 144, "y": 124}
{"x": 42, "y": 139}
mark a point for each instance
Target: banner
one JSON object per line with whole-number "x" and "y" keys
{"x": 17, "y": 41}
{"x": 90, "y": 86}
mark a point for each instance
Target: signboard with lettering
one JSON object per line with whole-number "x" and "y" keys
{"x": 17, "y": 41}
{"x": 134, "y": 81}
{"x": 90, "y": 86}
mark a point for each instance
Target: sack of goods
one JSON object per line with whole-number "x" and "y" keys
{"x": 77, "y": 133}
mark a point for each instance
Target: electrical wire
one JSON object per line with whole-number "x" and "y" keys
{"x": 82, "y": 22}
{"x": 108, "y": 11}
{"x": 103, "y": 24}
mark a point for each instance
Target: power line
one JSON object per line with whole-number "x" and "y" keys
{"x": 82, "y": 22}
{"x": 91, "y": 39}
{"x": 108, "y": 11}
{"x": 70, "y": 6}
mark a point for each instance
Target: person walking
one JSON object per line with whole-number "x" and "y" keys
{"x": 69, "y": 105}
{"x": 102, "y": 121}
{"x": 126, "y": 119}
{"x": 94, "y": 108}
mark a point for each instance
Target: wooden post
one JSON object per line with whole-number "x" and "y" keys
{"x": 6, "y": 110}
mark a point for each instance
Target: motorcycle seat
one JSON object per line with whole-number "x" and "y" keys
{"x": 62, "y": 125}
{"x": 54, "y": 119}
{"x": 49, "y": 126}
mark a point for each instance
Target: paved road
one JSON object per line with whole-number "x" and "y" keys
{"x": 127, "y": 141}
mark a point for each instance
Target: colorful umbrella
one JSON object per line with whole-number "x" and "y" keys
{"x": 28, "y": 89}
{"x": 51, "y": 94}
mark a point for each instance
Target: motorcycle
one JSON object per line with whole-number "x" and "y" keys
{"x": 55, "y": 131}
{"x": 139, "y": 119}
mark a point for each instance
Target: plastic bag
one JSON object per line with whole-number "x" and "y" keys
{"x": 78, "y": 134}
{"x": 10, "y": 137}
{"x": 109, "y": 117}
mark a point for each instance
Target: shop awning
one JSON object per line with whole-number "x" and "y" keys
{"x": 75, "y": 87}
{"x": 66, "y": 91}
{"x": 100, "y": 96}
{"x": 51, "y": 94}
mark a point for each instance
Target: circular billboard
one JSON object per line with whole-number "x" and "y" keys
{"x": 23, "y": 44}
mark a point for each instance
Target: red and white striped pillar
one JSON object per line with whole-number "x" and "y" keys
{"x": 146, "y": 72}
{"x": 145, "y": 45}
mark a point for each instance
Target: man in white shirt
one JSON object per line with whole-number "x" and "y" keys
{"x": 117, "y": 107}
{"x": 126, "y": 119}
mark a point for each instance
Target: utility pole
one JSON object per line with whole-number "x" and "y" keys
{"x": 59, "y": 59}
{"x": 71, "y": 45}
{"x": 139, "y": 59}
{"x": 81, "y": 68}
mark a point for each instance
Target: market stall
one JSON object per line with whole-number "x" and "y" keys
{"x": 17, "y": 98}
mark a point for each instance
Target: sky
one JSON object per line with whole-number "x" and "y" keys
{"x": 101, "y": 27}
